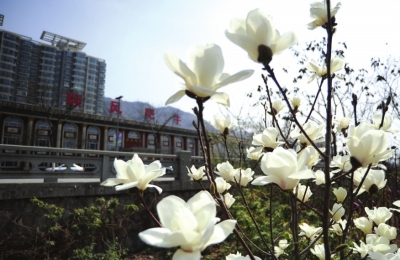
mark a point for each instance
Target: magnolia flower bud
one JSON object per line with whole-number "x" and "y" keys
{"x": 223, "y": 124}
{"x": 340, "y": 194}
{"x": 337, "y": 212}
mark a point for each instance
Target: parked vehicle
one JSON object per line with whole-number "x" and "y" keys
{"x": 62, "y": 167}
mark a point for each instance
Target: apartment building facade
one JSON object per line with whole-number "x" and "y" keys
{"x": 55, "y": 73}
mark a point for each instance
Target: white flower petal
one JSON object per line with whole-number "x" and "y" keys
{"x": 183, "y": 255}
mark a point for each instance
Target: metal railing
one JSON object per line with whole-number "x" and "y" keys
{"x": 19, "y": 163}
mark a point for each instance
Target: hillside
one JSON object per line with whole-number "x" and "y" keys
{"x": 136, "y": 111}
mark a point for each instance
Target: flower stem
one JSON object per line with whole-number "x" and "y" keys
{"x": 148, "y": 210}
{"x": 328, "y": 136}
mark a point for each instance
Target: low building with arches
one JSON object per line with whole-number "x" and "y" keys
{"x": 25, "y": 124}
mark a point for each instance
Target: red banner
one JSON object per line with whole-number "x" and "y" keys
{"x": 149, "y": 113}
{"x": 115, "y": 107}
{"x": 74, "y": 100}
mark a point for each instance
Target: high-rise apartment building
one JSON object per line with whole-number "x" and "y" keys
{"x": 57, "y": 74}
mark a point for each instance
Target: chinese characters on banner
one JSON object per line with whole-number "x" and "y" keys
{"x": 115, "y": 107}
{"x": 149, "y": 113}
{"x": 74, "y": 100}
{"x": 177, "y": 119}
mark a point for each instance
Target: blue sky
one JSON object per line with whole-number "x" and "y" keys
{"x": 133, "y": 36}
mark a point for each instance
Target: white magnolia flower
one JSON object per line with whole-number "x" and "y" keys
{"x": 296, "y": 102}
{"x": 257, "y": 35}
{"x": 319, "y": 251}
{"x": 342, "y": 123}
{"x": 379, "y": 215}
{"x": 374, "y": 181}
{"x": 337, "y": 212}
{"x": 339, "y": 227}
{"x": 363, "y": 249}
{"x": 196, "y": 174}
{"x": 387, "y": 122}
{"x": 364, "y": 224}
{"x": 309, "y": 231}
{"x": 280, "y": 249}
{"x": 368, "y": 146}
{"x": 239, "y": 256}
{"x": 397, "y": 204}
{"x": 191, "y": 226}
{"x": 222, "y": 185}
{"x": 226, "y": 171}
{"x": 254, "y": 154}
{"x": 277, "y": 106}
{"x": 279, "y": 165}
{"x": 303, "y": 192}
{"x": 313, "y": 157}
{"x": 321, "y": 71}
{"x": 342, "y": 163}
{"x": 228, "y": 199}
{"x": 319, "y": 12}
{"x": 223, "y": 123}
{"x": 320, "y": 177}
{"x": 203, "y": 74}
{"x": 380, "y": 256}
{"x": 268, "y": 140}
{"x": 134, "y": 173}
{"x": 380, "y": 244}
{"x": 243, "y": 177}
{"x": 386, "y": 231}
{"x": 313, "y": 130}
{"x": 340, "y": 194}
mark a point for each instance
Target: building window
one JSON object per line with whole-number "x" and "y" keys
{"x": 133, "y": 135}
{"x": 70, "y": 136}
{"x": 12, "y": 130}
{"x": 178, "y": 144}
{"x": 42, "y": 133}
{"x": 112, "y": 139}
{"x": 191, "y": 146}
{"x": 151, "y": 144}
{"x": 166, "y": 147}
{"x": 92, "y": 138}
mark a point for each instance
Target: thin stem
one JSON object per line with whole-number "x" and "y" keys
{"x": 295, "y": 225}
{"x": 273, "y": 113}
{"x": 148, "y": 210}
{"x": 207, "y": 155}
{"x": 315, "y": 100}
{"x": 272, "y": 75}
{"x": 254, "y": 220}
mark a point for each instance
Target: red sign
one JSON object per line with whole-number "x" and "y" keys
{"x": 149, "y": 113}
{"x": 115, "y": 107}
{"x": 74, "y": 100}
{"x": 177, "y": 119}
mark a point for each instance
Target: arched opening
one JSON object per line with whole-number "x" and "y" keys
{"x": 151, "y": 144}
{"x": 166, "y": 144}
{"x": 93, "y": 138}
{"x": 178, "y": 144}
{"x": 69, "y": 136}
{"x": 12, "y": 130}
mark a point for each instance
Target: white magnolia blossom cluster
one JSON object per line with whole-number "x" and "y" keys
{"x": 289, "y": 162}
{"x": 379, "y": 235}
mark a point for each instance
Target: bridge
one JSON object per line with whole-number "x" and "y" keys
{"x": 31, "y": 171}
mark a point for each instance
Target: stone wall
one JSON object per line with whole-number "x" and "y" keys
{"x": 15, "y": 204}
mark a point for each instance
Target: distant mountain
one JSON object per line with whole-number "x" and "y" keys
{"x": 136, "y": 111}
